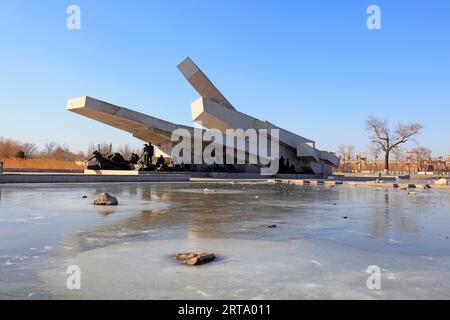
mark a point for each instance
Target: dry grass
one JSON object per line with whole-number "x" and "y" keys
{"x": 42, "y": 164}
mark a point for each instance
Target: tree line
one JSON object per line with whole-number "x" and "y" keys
{"x": 10, "y": 149}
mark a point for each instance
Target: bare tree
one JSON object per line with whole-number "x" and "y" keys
{"x": 399, "y": 154}
{"x": 80, "y": 155}
{"x": 49, "y": 148}
{"x": 346, "y": 152}
{"x": 62, "y": 153}
{"x": 421, "y": 155}
{"x": 389, "y": 140}
{"x": 127, "y": 151}
{"x": 104, "y": 148}
{"x": 29, "y": 149}
{"x": 375, "y": 150}
{"x": 8, "y": 148}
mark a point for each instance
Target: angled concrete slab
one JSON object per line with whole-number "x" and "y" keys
{"x": 216, "y": 113}
{"x": 141, "y": 126}
{"x": 201, "y": 83}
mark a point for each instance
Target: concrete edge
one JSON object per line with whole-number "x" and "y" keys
{"x": 81, "y": 178}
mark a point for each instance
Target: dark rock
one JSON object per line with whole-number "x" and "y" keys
{"x": 195, "y": 258}
{"x": 106, "y": 200}
{"x": 272, "y": 226}
{"x": 345, "y": 217}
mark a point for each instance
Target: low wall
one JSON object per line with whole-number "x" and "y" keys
{"x": 81, "y": 178}
{"x": 12, "y": 170}
{"x": 363, "y": 179}
{"x": 126, "y": 176}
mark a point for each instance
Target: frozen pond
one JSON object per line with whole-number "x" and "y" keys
{"x": 325, "y": 240}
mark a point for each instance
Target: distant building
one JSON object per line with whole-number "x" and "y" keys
{"x": 408, "y": 166}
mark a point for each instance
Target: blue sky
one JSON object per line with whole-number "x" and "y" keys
{"x": 312, "y": 67}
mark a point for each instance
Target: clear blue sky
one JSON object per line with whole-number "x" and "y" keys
{"x": 309, "y": 66}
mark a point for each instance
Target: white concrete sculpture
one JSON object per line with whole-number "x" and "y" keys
{"x": 214, "y": 112}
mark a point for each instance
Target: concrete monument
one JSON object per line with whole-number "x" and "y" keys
{"x": 214, "y": 112}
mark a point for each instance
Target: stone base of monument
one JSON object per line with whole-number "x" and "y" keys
{"x": 91, "y": 178}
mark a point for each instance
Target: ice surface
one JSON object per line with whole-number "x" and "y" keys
{"x": 324, "y": 241}
{"x": 249, "y": 269}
